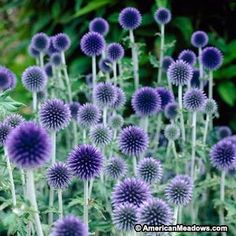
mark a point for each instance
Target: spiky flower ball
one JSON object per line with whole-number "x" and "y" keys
{"x": 199, "y": 39}
{"x": 74, "y": 109}
{"x": 88, "y": 115}
{"x": 99, "y": 25}
{"x": 124, "y": 217}
{"x": 40, "y": 42}
{"x": 69, "y": 225}
{"x": 51, "y": 48}
{"x": 116, "y": 122}
{"x": 223, "y": 155}
{"x": 6, "y": 78}
{"x": 115, "y": 168}
{"x": 48, "y": 69}
{"x": 211, "y": 58}
{"x": 85, "y": 162}
{"x": 167, "y": 60}
{"x": 55, "y": 59}
{"x": 188, "y": 56}
{"x": 195, "y": 81}
{"x": 179, "y": 191}
{"x": 115, "y": 52}
{"x": 105, "y": 65}
{"x": 61, "y": 42}
{"x": 33, "y": 52}
{"x": 162, "y": 16}
{"x": 166, "y": 96}
{"x": 14, "y": 120}
{"x": 155, "y": 212}
{"x": 133, "y": 141}
{"x": 223, "y": 132}
{"x": 120, "y": 99}
{"x": 179, "y": 73}
{"x": 194, "y": 100}
{"x": 210, "y": 106}
{"x": 34, "y": 79}
{"x": 28, "y": 145}
{"x": 131, "y": 190}
{"x": 171, "y": 111}
{"x": 149, "y": 170}
{"x": 130, "y": 18}
{"x": 54, "y": 114}
{"x": 100, "y": 135}
{"x": 5, "y": 129}
{"x": 146, "y": 101}
{"x": 172, "y": 132}
{"x": 92, "y": 44}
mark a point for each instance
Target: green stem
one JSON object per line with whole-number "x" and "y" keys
{"x": 135, "y": 165}
{"x": 114, "y": 65}
{"x": 194, "y": 119}
{"x": 158, "y": 129}
{"x": 41, "y": 56}
{"x": 200, "y": 68}
{"x": 222, "y": 199}
{"x": 145, "y": 124}
{"x": 90, "y": 188}
{"x": 84, "y": 136}
{"x": 176, "y": 156}
{"x": 86, "y": 202}
{"x": 180, "y": 100}
{"x": 206, "y": 129}
{"x": 54, "y": 142}
{"x": 94, "y": 73}
{"x": 75, "y": 131}
{"x": 161, "y": 53}
{"x": 210, "y": 88}
{"x": 60, "y": 202}
{"x": 34, "y": 102}
{"x": 22, "y": 173}
{"x": 175, "y": 218}
{"x": 105, "y": 116}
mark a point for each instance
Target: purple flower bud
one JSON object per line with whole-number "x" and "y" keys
{"x": 120, "y": 99}
{"x": 61, "y": 42}
{"x": 99, "y": 25}
{"x": 171, "y": 111}
{"x": 167, "y": 60}
{"x": 105, "y": 65}
{"x": 188, "y": 56}
{"x": 162, "y": 16}
{"x": 74, "y": 109}
{"x": 199, "y": 39}
{"x": 7, "y": 78}
{"x": 223, "y": 132}
{"x": 33, "y": 52}
{"x": 5, "y": 129}
{"x": 115, "y": 52}
{"x": 40, "y": 42}
{"x": 48, "y": 69}
{"x": 166, "y": 96}
{"x": 14, "y": 120}
{"x": 195, "y": 81}
{"x": 55, "y": 59}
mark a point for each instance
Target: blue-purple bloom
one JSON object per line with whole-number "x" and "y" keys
{"x": 166, "y": 96}
{"x": 162, "y": 16}
{"x": 115, "y": 52}
{"x": 172, "y": 132}
{"x": 105, "y": 65}
{"x": 55, "y": 59}
{"x": 210, "y": 106}
{"x": 51, "y": 48}
{"x": 48, "y": 69}
{"x": 7, "y": 78}
{"x": 61, "y": 42}
{"x": 33, "y": 52}
{"x": 223, "y": 132}
{"x": 120, "y": 100}
{"x": 40, "y": 42}
{"x": 171, "y": 111}
{"x": 188, "y": 56}
{"x": 74, "y": 109}
{"x": 14, "y": 120}
{"x": 199, "y": 39}
{"x": 99, "y": 25}
{"x": 5, "y": 129}
{"x": 116, "y": 122}
{"x": 195, "y": 81}
{"x": 167, "y": 60}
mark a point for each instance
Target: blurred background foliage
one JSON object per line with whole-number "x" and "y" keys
{"x": 21, "y": 19}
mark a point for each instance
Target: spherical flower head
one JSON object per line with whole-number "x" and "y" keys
{"x": 51, "y": 48}
{"x": 48, "y": 69}
{"x": 55, "y": 59}
{"x": 115, "y": 168}
{"x": 54, "y": 114}
{"x": 223, "y": 155}
{"x": 116, "y": 122}
{"x": 99, "y": 25}
{"x": 162, "y": 16}
{"x": 172, "y": 132}
{"x": 104, "y": 94}
{"x": 194, "y": 100}
{"x": 167, "y": 60}
{"x": 223, "y": 132}
{"x": 146, "y": 101}
{"x": 130, "y": 18}
{"x": 74, "y": 109}
{"x": 179, "y": 190}
{"x": 58, "y": 176}
{"x": 133, "y": 141}
{"x": 88, "y": 115}
{"x": 149, "y": 170}
{"x": 210, "y": 106}
{"x": 120, "y": 99}
{"x": 188, "y": 56}
{"x": 61, "y": 42}
{"x": 179, "y": 73}
{"x": 92, "y": 44}
{"x": 199, "y": 39}
{"x": 14, "y": 120}
{"x": 155, "y": 212}
{"x": 115, "y": 52}
{"x": 166, "y": 96}
{"x": 131, "y": 190}
{"x": 69, "y": 225}
{"x": 100, "y": 135}
{"x": 124, "y": 217}
{"x": 211, "y": 58}
{"x": 13, "y": 82}
{"x": 105, "y": 65}
{"x": 34, "y": 79}
{"x": 40, "y": 42}
{"x": 28, "y": 146}
{"x": 171, "y": 111}
{"x": 195, "y": 81}
{"x": 85, "y": 162}
{"x": 33, "y": 52}
{"x": 5, "y": 129}
{"x": 6, "y": 78}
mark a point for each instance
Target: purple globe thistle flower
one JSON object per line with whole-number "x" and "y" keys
{"x": 61, "y": 42}
{"x": 188, "y": 56}
{"x": 166, "y": 96}
{"x": 28, "y": 146}
{"x": 223, "y": 132}
{"x": 195, "y": 81}
{"x": 155, "y": 212}
{"x": 6, "y": 77}
{"x": 115, "y": 168}
{"x": 99, "y": 25}
{"x": 58, "y": 176}
{"x": 149, "y": 170}
{"x": 88, "y": 115}
{"x": 130, "y": 18}
{"x": 100, "y": 135}
{"x": 13, "y": 82}
{"x": 146, "y": 101}
{"x": 55, "y": 59}
{"x": 179, "y": 73}
{"x": 179, "y": 191}
{"x": 115, "y": 52}
{"x": 74, "y": 109}
{"x": 162, "y": 16}
{"x": 199, "y": 39}
{"x": 40, "y": 42}
{"x": 89, "y": 80}
{"x": 167, "y": 60}
{"x": 171, "y": 111}
{"x": 211, "y": 58}
{"x": 5, "y": 129}
{"x": 33, "y": 52}
{"x": 69, "y": 225}
{"x": 223, "y": 155}
{"x": 92, "y": 44}
{"x": 172, "y": 132}
{"x": 210, "y": 106}
{"x": 120, "y": 99}
{"x": 34, "y": 79}
{"x": 194, "y": 100}
{"x": 48, "y": 69}
{"x": 116, "y": 122}
{"x": 124, "y": 217}
{"x": 51, "y": 48}
{"x": 54, "y": 114}
{"x": 133, "y": 141}
{"x": 85, "y": 162}
{"x": 105, "y": 65}
{"x": 14, "y": 120}
{"x": 131, "y": 190}
{"x": 104, "y": 94}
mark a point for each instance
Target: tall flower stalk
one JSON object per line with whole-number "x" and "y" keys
{"x": 222, "y": 200}
{"x": 180, "y": 101}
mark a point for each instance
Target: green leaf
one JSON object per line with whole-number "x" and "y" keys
{"x": 226, "y": 73}
{"x": 227, "y": 92}
{"x": 184, "y": 24}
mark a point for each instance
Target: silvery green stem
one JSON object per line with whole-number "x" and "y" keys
{"x": 86, "y": 202}
{"x": 94, "y": 73}
{"x": 41, "y": 56}
{"x": 175, "y": 218}
{"x": 161, "y": 53}
{"x": 206, "y": 129}
{"x": 90, "y": 188}
{"x": 103, "y": 54}
{"x": 210, "y": 88}
{"x": 134, "y": 59}
{"x": 32, "y": 198}
{"x": 180, "y": 100}
{"x": 75, "y": 131}
{"x": 107, "y": 77}
{"x": 60, "y": 203}
{"x": 222, "y": 199}
{"x": 168, "y": 149}
{"x": 145, "y": 124}
{"x": 180, "y": 215}
{"x": 194, "y": 119}
{"x": 175, "y": 155}
{"x": 54, "y": 143}
{"x": 114, "y": 65}
{"x": 35, "y": 102}
{"x": 135, "y": 165}
{"x": 120, "y": 73}
{"x": 158, "y": 129}
{"x": 22, "y": 173}
{"x": 105, "y": 116}
{"x": 84, "y": 136}
{"x": 114, "y": 134}
{"x": 201, "y": 72}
